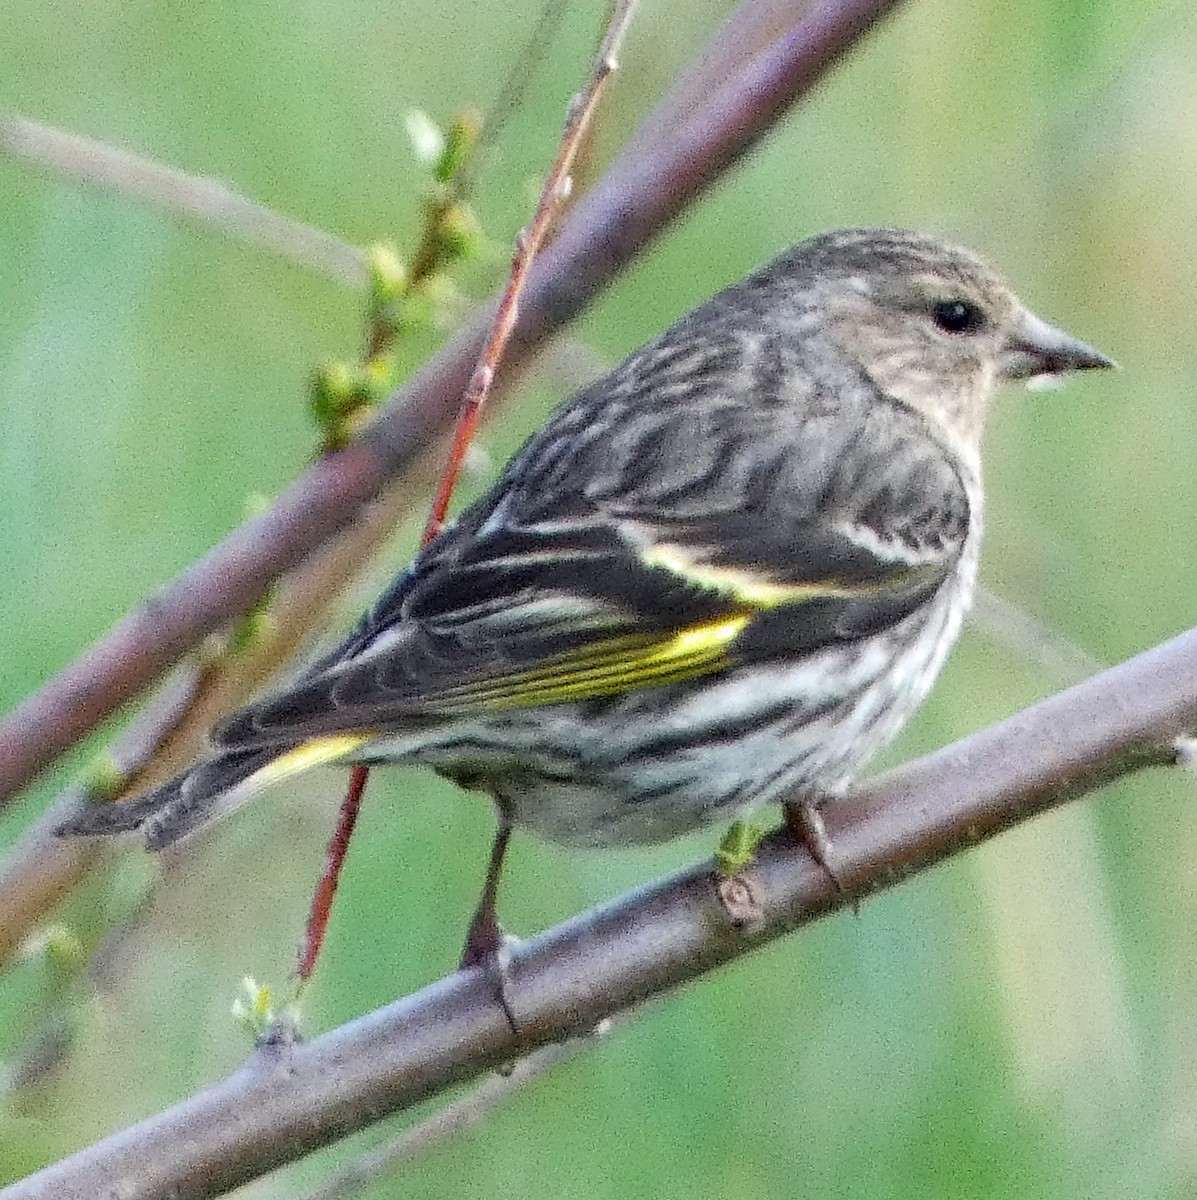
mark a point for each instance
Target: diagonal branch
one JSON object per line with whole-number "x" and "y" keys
{"x": 641, "y": 193}
{"x": 290, "y": 1100}
{"x": 205, "y": 200}
{"x": 39, "y": 869}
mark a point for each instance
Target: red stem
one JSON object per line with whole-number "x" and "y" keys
{"x": 334, "y": 860}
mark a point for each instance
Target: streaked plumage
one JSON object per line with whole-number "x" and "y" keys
{"x": 721, "y": 576}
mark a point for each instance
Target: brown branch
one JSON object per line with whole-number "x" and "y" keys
{"x": 171, "y": 728}
{"x": 205, "y": 200}
{"x": 634, "y": 202}
{"x": 290, "y": 1100}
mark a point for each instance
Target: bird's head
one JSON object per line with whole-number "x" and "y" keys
{"x": 930, "y": 323}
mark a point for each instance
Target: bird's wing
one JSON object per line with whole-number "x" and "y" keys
{"x": 631, "y": 547}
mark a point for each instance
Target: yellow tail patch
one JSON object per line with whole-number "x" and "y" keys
{"x": 315, "y": 753}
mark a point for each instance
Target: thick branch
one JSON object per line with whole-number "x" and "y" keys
{"x": 290, "y": 1100}
{"x": 607, "y": 228}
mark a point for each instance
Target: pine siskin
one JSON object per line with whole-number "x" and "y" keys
{"x": 722, "y": 576}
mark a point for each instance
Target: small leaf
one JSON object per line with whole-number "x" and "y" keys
{"x": 458, "y": 232}
{"x": 57, "y": 943}
{"x": 103, "y": 780}
{"x": 251, "y": 628}
{"x": 334, "y": 392}
{"x": 254, "y": 1008}
{"x": 378, "y": 375}
{"x": 388, "y": 275}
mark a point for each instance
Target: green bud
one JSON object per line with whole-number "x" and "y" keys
{"x": 103, "y": 780}
{"x": 417, "y": 311}
{"x": 737, "y": 848}
{"x": 388, "y": 275}
{"x": 378, "y": 376}
{"x": 249, "y": 630}
{"x": 58, "y": 945}
{"x": 333, "y": 392}
{"x": 253, "y": 1009}
{"x": 459, "y": 145}
{"x": 458, "y": 232}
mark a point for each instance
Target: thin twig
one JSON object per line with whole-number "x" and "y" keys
{"x": 462, "y": 1114}
{"x": 1064, "y": 661}
{"x": 605, "y": 230}
{"x": 291, "y": 1100}
{"x": 330, "y": 877}
{"x": 527, "y": 243}
{"x": 205, "y": 200}
{"x": 511, "y": 94}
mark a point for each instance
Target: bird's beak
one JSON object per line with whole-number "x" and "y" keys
{"x": 1037, "y": 348}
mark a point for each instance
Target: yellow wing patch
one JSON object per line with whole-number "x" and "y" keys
{"x": 624, "y": 664}
{"x": 616, "y": 665}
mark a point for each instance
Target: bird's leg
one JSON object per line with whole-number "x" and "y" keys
{"x": 805, "y": 820}
{"x": 484, "y": 939}
{"x": 486, "y": 944}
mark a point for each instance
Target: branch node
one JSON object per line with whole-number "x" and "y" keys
{"x": 739, "y": 896}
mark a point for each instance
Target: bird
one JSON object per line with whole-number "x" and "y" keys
{"x": 722, "y": 576}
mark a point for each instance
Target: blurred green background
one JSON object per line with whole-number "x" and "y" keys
{"x": 1018, "y": 1023}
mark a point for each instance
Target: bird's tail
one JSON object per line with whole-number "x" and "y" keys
{"x": 208, "y": 790}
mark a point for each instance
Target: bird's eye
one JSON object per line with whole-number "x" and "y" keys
{"x": 958, "y": 316}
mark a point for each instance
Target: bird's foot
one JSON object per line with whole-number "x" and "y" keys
{"x": 805, "y": 820}
{"x": 489, "y": 947}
